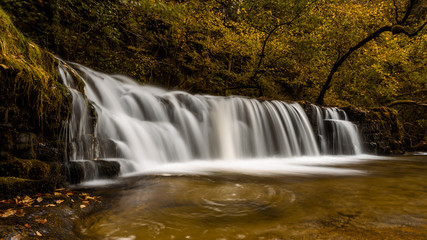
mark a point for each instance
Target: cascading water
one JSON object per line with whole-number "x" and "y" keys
{"x": 336, "y": 135}
{"x": 142, "y": 126}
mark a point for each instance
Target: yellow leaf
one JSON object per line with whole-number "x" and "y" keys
{"x": 8, "y": 213}
{"x": 39, "y": 199}
{"x": 59, "y": 201}
{"x": 38, "y": 234}
{"x": 41, "y": 221}
{"x": 27, "y": 225}
{"x": 82, "y": 206}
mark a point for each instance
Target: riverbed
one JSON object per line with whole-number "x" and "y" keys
{"x": 365, "y": 197}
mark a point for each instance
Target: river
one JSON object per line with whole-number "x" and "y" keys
{"x": 359, "y": 197}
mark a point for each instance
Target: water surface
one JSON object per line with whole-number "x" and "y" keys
{"x": 355, "y": 198}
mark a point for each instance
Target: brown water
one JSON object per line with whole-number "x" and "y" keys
{"x": 387, "y": 201}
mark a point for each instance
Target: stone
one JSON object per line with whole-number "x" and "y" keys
{"x": 25, "y": 168}
{"x": 11, "y": 187}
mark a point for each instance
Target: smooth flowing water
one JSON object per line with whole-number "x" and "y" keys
{"x": 363, "y": 197}
{"x": 144, "y": 127}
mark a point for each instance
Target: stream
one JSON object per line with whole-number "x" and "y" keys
{"x": 350, "y": 197}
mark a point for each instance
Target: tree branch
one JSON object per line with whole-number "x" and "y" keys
{"x": 341, "y": 60}
{"x": 416, "y": 32}
{"x": 408, "y": 11}
{"x": 396, "y": 12}
{"x": 407, "y": 102}
{"x": 270, "y": 33}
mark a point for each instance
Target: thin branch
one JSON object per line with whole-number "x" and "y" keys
{"x": 417, "y": 31}
{"x": 407, "y": 102}
{"x": 243, "y": 87}
{"x": 396, "y": 12}
{"x": 270, "y": 33}
{"x": 408, "y": 11}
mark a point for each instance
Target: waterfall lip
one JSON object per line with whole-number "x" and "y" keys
{"x": 273, "y": 167}
{"x": 304, "y": 166}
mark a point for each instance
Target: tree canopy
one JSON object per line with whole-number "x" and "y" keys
{"x": 375, "y": 51}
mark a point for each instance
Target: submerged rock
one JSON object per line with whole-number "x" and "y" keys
{"x": 84, "y": 170}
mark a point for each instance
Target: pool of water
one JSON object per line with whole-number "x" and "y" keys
{"x": 336, "y": 198}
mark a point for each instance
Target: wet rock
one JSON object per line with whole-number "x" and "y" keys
{"x": 380, "y": 129}
{"x": 78, "y": 171}
{"x": 108, "y": 169}
{"x": 75, "y": 172}
{"x": 25, "y": 145}
{"x": 12, "y": 186}
{"x": 25, "y": 168}
{"x": 420, "y": 147}
{"x": 51, "y": 151}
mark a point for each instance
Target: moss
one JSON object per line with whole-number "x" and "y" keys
{"x": 24, "y": 168}
{"x": 27, "y": 78}
{"x": 12, "y": 186}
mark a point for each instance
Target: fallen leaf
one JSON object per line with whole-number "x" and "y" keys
{"x": 38, "y": 234}
{"x": 59, "y": 201}
{"x": 20, "y": 213}
{"x": 57, "y": 194}
{"x": 50, "y": 205}
{"x": 39, "y": 199}
{"x": 39, "y": 194}
{"x": 27, "y": 225}
{"x": 16, "y": 237}
{"x": 8, "y": 213}
{"x": 60, "y": 189}
{"x": 85, "y": 202}
{"x": 82, "y": 206}
{"x": 41, "y": 221}
{"x": 69, "y": 193}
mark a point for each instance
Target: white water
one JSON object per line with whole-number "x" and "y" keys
{"x": 146, "y": 127}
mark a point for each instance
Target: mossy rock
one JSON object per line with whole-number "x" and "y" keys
{"x": 25, "y": 168}
{"x": 28, "y": 83}
{"x": 11, "y": 187}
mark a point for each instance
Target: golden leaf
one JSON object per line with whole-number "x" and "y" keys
{"x": 41, "y": 221}
{"x": 8, "y": 213}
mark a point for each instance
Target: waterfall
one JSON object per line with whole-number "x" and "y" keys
{"x": 336, "y": 135}
{"x": 140, "y": 126}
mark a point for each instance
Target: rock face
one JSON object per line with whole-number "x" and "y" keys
{"x": 29, "y": 162}
{"x": 380, "y": 129}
